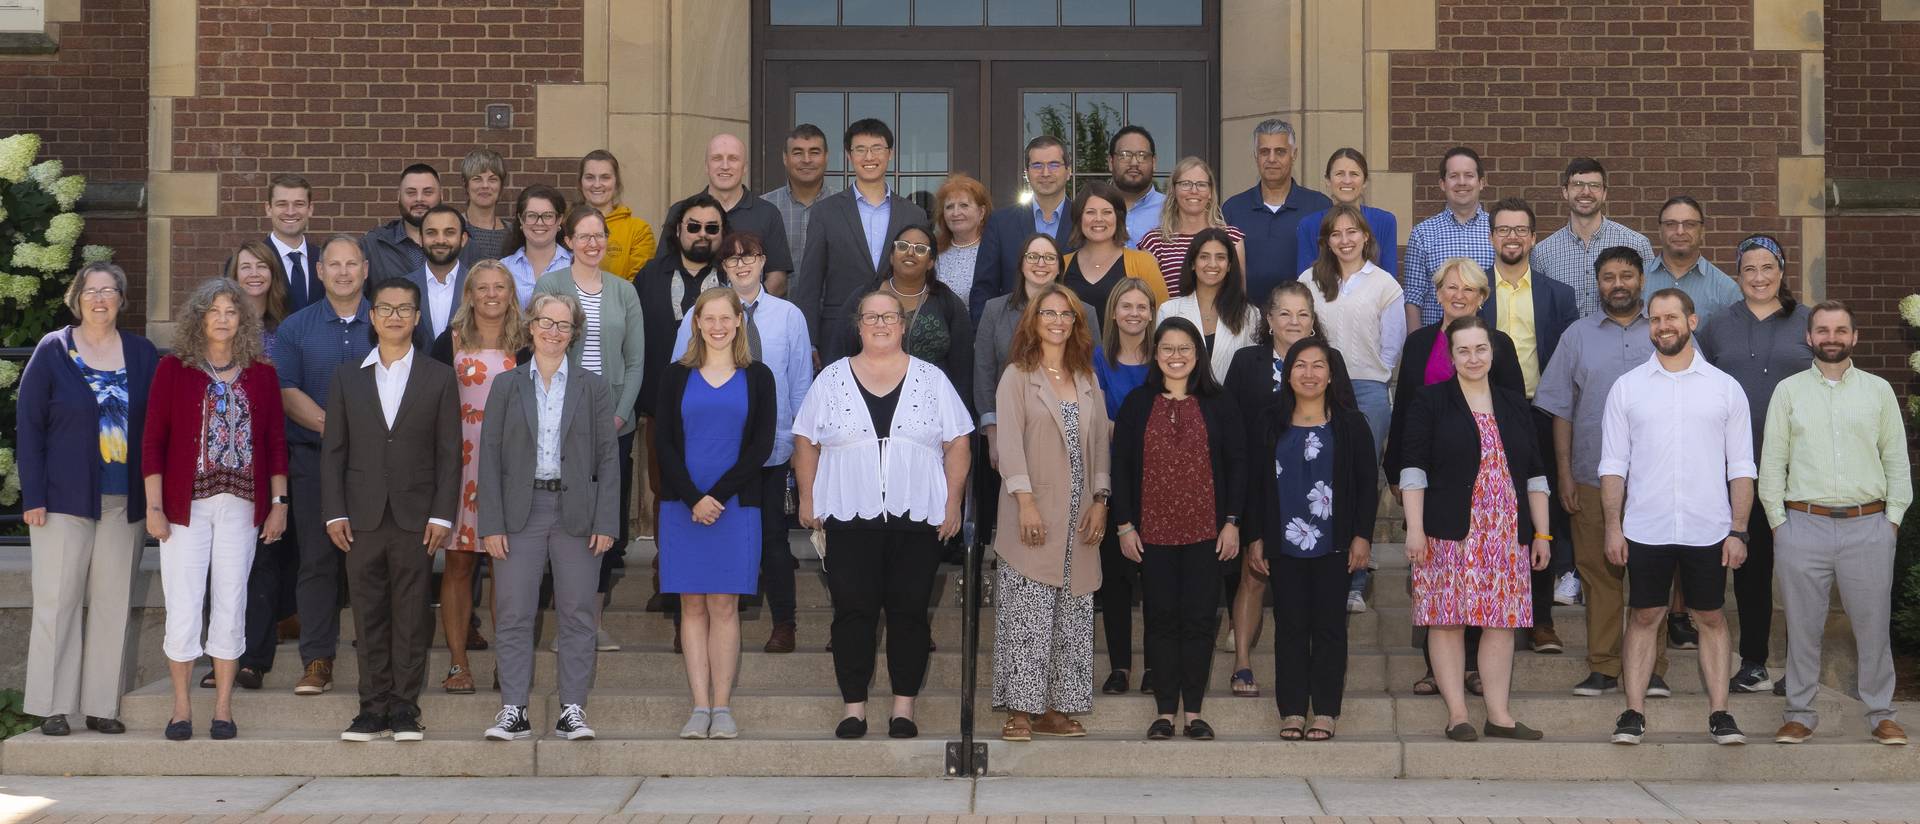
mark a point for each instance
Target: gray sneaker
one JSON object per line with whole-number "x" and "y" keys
{"x": 697, "y": 724}
{"x": 723, "y": 726}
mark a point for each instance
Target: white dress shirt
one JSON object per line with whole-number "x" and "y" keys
{"x": 391, "y": 381}
{"x": 440, "y": 296}
{"x": 550, "y": 402}
{"x": 295, "y": 274}
{"x": 1677, "y": 438}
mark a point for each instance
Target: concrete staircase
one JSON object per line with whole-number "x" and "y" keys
{"x": 787, "y": 707}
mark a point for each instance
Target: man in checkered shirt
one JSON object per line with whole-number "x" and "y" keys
{"x": 1568, "y": 255}
{"x": 1460, "y": 230}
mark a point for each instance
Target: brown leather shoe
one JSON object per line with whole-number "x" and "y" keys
{"x": 1887, "y": 732}
{"x": 1792, "y": 732}
{"x": 289, "y": 630}
{"x": 782, "y": 638}
{"x": 1547, "y": 642}
{"x": 1057, "y": 724}
{"x": 319, "y": 678}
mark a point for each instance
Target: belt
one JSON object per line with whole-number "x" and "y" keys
{"x": 1838, "y": 511}
{"x": 549, "y": 485}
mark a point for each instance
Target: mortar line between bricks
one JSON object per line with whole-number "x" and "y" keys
{"x": 1677, "y": 812}
{"x": 268, "y": 809}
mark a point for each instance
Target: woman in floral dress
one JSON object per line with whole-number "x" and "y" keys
{"x": 1469, "y": 445}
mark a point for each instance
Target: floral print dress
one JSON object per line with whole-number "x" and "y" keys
{"x": 1485, "y": 580}
{"x": 1303, "y": 478}
{"x": 476, "y": 371}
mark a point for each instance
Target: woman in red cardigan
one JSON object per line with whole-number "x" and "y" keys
{"x": 215, "y": 457}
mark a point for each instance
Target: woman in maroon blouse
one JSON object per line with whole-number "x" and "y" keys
{"x": 1180, "y": 435}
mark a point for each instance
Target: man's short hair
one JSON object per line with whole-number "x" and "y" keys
{"x": 1686, "y": 300}
{"x": 420, "y": 169}
{"x": 342, "y": 237}
{"x": 447, "y": 209}
{"x": 479, "y": 161}
{"x": 1048, "y": 141}
{"x": 1829, "y": 306}
{"x": 1512, "y": 204}
{"x": 1583, "y": 166}
{"x": 1274, "y": 125}
{"x": 806, "y": 131}
{"x": 289, "y": 182}
{"x": 1624, "y": 254}
{"x": 1462, "y": 151}
{"x": 870, "y": 127}
{"x": 1113, "y": 143}
{"x": 1683, "y": 200}
{"x": 398, "y": 282}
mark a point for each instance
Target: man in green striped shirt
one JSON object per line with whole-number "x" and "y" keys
{"x": 1834, "y": 483}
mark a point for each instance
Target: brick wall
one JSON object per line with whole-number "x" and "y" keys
{"x": 350, "y": 93}
{"x": 88, "y": 103}
{"x": 1672, "y": 99}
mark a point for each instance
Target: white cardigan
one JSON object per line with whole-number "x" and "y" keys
{"x": 1225, "y": 341}
{"x": 862, "y": 475}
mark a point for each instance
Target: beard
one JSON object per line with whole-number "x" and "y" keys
{"x": 1522, "y": 258}
{"x": 437, "y": 258}
{"x": 411, "y": 218}
{"x": 1625, "y": 304}
{"x": 700, "y": 252}
{"x": 1833, "y": 353}
{"x": 1679, "y": 343}
{"x": 1134, "y": 188}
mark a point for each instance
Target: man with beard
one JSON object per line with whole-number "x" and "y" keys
{"x": 1675, "y": 429}
{"x": 1130, "y": 155}
{"x": 1534, "y": 312}
{"x": 1682, "y": 225}
{"x": 746, "y": 211}
{"x": 1568, "y": 255}
{"x": 1269, "y": 214}
{"x": 442, "y": 279}
{"x": 1834, "y": 483}
{"x": 395, "y": 248}
{"x": 1593, "y": 353}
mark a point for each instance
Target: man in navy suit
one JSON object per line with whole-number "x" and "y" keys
{"x": 290, "y": 208}
{"x": 997, "y": 268}
{"x": 1534, "y": 312}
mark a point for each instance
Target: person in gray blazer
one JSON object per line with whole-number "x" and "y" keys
{"x": 549, "y": 491}
{"x": 841, "y": 255}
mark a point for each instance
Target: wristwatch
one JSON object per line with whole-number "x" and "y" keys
{"x": 1734, "y": 533}
{"x": 277, "y": 499}
{"x": 1233, "y": 519}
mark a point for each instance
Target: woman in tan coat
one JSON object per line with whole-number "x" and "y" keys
{"x": 1053, "y": 513}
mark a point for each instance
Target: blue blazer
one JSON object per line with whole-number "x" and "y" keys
{"x": 59, "y": 457}
{"x": 996, "y": 269}
{"x": 1553, "y": 311}
{"x": 423, "y": 330}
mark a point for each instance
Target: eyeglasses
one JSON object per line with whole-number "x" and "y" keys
{"x": 549, "y": 324}
{"x": 742, "y": 260}
{"x": 694, "y": 228}
{"x": 1193, "y": 185}
{"x": 1132, "y": 156}
{"x": 1688, "y": 225}
{"x": 590, "y": 237}
{"x": 1587, "y": 186}
{"x": 1049, "y": 166}
{"x": 869, "y": 151}
{"x": 388, "y": 310}
{"x": 102, "y": 293}
{"x": 1056, "y": 314}
{"x": 880, "y": 318}
{"x": 1512, "y": 231}
{"x": 540, "y": 218}
{"x": 1176, "y": 351}
{"x": 904, "y": 247}
{"x": 1040, "y": 257}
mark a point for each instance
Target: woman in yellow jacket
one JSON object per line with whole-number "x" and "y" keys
{"x": 630, "y": 242}
{"x": 1100, "y": 241}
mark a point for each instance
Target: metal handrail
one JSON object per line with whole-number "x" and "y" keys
{"x": 967, "y": 758}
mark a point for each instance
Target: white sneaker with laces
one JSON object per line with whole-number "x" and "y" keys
{"x": 1566, "y": 591}
{"x": 1356, "y": 602}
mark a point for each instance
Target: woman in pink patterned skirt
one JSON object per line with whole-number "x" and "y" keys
{"x": 1469, "y": 444}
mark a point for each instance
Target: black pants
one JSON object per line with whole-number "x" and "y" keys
{"x": 986, "y": 494}
{"x": 1115, "y": 597}
{"x": 317, "y": 590}
{"x": 270, "y": 599}
{"x": 1753, "y": 591}
{"x": 870, "y": 572}
{"x": 776, "y": 555}
{"x": 391, "y": 576}
{"x": 1558, "y": 522}
{"x": 1182, "y": 587}
{"x": 1309, "y": 632}
{"x": 616, "y": 558}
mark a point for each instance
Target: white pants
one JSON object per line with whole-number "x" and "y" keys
{"x": 217, "y": 547}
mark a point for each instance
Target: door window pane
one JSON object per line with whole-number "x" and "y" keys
{"x": 946, "y": 12}
{"x": 922, "y": 133}
{"x": 1022, "y": 13}
{"x": 873, "y": 12}
{"x": 1087, "y": 120}
{"x": 804, "y": 12}
{"x": 921, "y": 123}
{"x": 1093, "y": 12}
{"x": 1154, "y": 111}
{"x": 828, "y": 110}
{"x": 1166, "y": 12}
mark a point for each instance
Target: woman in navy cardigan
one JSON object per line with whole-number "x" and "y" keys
{"x": 83, "y": 400}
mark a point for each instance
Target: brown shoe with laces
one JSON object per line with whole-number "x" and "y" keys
{"x": 318, "y": 679}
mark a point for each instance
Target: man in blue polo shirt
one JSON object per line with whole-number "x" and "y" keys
{"x": 1269, "y": 213}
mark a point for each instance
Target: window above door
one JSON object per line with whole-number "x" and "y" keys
{"x": 1021, "y": 13}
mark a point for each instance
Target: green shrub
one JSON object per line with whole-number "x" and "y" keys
{"x": 13, "y": 719}
{"x": 1906, "y": 588}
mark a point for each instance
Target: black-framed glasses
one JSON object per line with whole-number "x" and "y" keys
{"x": 1040, "y": 257}
{"x": 880, "y": 318}
{"x": 388, "y": 310}
{"x": 549, "y": 324}
{"x": 920, "y": 249}
{"x": 540, "y": 218}
{"x": 1512, "y": 231}
{"x": 696, "y": 228}
{"x": 743, "y": 260}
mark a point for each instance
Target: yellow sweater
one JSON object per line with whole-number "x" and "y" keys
{"x": 1137, "y": 264}
{"x": 630, "y": 243}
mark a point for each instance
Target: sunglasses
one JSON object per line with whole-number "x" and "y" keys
{"x": 703, "y": 228}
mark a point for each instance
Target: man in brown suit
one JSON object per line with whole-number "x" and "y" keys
{"x": 389, "y": 489}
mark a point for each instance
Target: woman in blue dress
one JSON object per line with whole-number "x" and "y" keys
{"x": 715, "y": 429}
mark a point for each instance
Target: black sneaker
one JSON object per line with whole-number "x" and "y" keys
{"x": 1657, "y": 687}
{"x": 1596, "y": 684}
{"x": 573, "y": 724}
{"x": 407, "y": 727}
{"x": 509, "y": 725}
{"x": 1720, "y": 725}
{"x": 1629, "y": 728}
{"x": 1681, "y": 634}
{"x": 367, "y": 726}
{"x": 1751, "y": 678}
{"x": 1780, "y": 686}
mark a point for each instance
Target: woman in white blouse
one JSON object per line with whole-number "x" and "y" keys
{"x": 1217, "y": 304}
{"x": 883, "y": 536}
{"x": 1358, "y": 304}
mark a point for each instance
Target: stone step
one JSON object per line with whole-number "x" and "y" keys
{"x": 1118, "y": 755}
{"x": 1664, "y": 756}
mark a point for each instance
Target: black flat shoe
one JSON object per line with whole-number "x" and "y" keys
{"x": 108, "y": 726}
{"x": 249, "y": 678}
{"x": 851, "y": 727}
{"x": 1146, "y": 682}
{"x": 1462, "y": 732}
{"x": 55, "y": 725}
{"x": 1160, "y": 730}
{"x": 1116, "y": 683}
{"x": 1199, "y": 730}
{"x": 1517, "y": 732}
{"x": 902, "y": 728}
{"x": 179, "y": 730}
{"x": 222, "y": 730}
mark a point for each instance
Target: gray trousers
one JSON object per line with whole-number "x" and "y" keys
{"x": 516, "y": 602}
{"x": 75, "y": 666}
{"x": 317, "y": 589}
{"x": 1812, "y": 554}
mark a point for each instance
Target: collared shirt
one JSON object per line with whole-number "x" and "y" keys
{"x": 1431, "y": 244}
{"x": 391, "y": 383}
{"x": 524, "y": 277}
{"x": 1515, "y": 303}
{"x": 307, "y": 347}
{"x": 1677, "y": 438}
{"x": 1271, "y": 234}
{"x": 1564, "y": 257}
{"x": 1834, "y": 443}
{"x": 1045, "y": 223}
{"x": 549, "y": 403}
{"x": 795, "y": 215}
{"x": 1759, "y": 353}
{"x": 296, "y": 274}
{"x": 1593, "y": 353}
{"x": 873, "y": 222}
{"x": 1144, "y": 217}
{"x": 1711, "y": 289}
{"x": 440, "y": 296}
{"x": 786, "y": 350}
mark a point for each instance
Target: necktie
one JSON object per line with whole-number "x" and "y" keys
{"x": 296, "y": 279}
{"x": 753, "y": 331}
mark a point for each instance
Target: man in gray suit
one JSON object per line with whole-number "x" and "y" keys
{"x": 389, "y": 489}
{"x": 442, "y": 279}
{"x": 847, "y": 230}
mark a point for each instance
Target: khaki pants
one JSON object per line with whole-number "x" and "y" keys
{"x": 1605, "y": 588}
{"x": 74, "y": 667}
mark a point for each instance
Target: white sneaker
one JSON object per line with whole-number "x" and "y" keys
{"x": 1566, "y": 591}
{"x": 604, "y": 642}
{"x": 1356, "y": 602}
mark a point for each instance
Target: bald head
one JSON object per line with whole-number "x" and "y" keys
{"x": 726, "y": 166}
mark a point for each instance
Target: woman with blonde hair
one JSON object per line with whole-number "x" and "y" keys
{"x": 1194, "y": 205}
{"x": 960, "y": 213}
{"x": 1120, "y": 364}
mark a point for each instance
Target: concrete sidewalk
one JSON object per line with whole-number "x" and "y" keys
{"x": 1282, "y": 800}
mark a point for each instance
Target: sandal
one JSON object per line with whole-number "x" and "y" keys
{"x": 1426, "y": 686}
{"x": 459, "y": 681}
{"x": 206, "y": 681}
{"x": 1473, "y": 684}
{"x": 1018, "y": 728}
{"x": 1293, "y": 728}
{"x": 1317, "y": 732}
{"x": 1244, "y": 686}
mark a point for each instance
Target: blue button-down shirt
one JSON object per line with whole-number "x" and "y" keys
{"x": 1435, "y": 241}
{"x": 1144, "y": 217}
{"x": 549, "y": 403}
{"x": 873, "y": 222}
{"x": 1049, "y": 223}
{"x": 1711, "y": 289}
{"x": 523, "y": 275}
{"x": 786, "y": 350}
{"x": 1564, "y": 257}
{"x": 1271, "y": 234}
{"x": 307, "y": 347}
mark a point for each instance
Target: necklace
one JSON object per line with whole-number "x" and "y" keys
{"x": 896, "y": 289}
{"x": 216, "y": 369}
{"x": 958, "y": 245}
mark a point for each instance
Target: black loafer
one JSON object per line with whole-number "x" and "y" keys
{"x": 1160, "y": 730}
{"x": 222, "y": 730}
{"x": 902, "y": 728}
{"x": 249, "y": 678}
{"x": 1462, "y": 732}
{"x": 109, "y": 726}
{"x": 1116, "y": 683}
{"x": 1146, "y": 682}
{"x": 55, "y": 725}
{"x": 851, "y": 727}
{"x": 179, "y": 730}
{"x": 1199, "y": 730}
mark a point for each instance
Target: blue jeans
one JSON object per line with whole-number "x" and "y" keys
{"x": 1373, "y": 399}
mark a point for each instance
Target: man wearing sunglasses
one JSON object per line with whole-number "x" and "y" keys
{"x": 670, "y": 283}
{"x": 847, "y": 230}
{"x": 746, "y": 211}
{"x": 997, "y": 267}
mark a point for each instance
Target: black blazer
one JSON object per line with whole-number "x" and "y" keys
{"x": 1226, "y": 439}
{"x": 303, "y": 287}
{"x": 654, "y": 286}
{"x": 836, "y": 259}
{"x": 670, "y": 439}
{"x": 1554, "y": 309}
{"x": 1413, "y": 366}
{"x": 997, "y": 266}
{"x": 1356, "y": 501}
{"x": 1442, "y": 440}
{"x": 411, "y": 468}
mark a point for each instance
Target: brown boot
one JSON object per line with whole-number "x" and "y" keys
{"x": 782, "y": 638}
{"x": 319, "y": 678}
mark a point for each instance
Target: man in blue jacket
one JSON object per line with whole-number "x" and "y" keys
{"x": 997, "y": 268}
{"x": 1269, "y": 213}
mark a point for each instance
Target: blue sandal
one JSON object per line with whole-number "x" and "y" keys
{"x": 1244, "y": 686}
